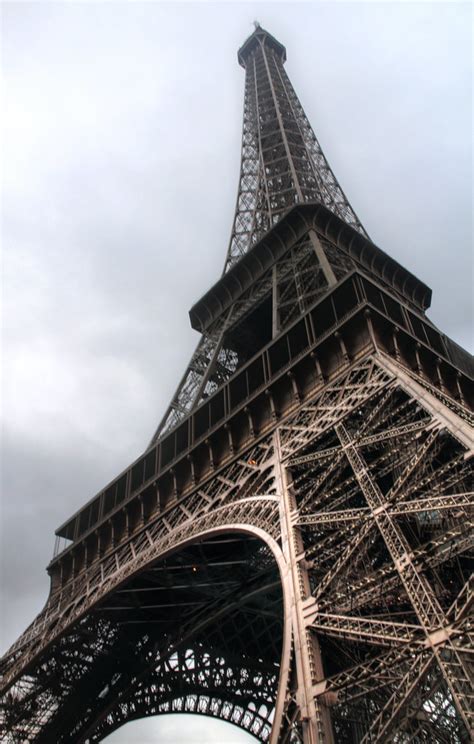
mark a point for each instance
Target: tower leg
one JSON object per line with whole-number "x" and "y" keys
{"x": 313, "y": 714}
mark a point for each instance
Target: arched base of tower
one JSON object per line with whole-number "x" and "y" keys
{"x": 320, "y": 591}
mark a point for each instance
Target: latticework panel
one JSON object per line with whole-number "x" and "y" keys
{"x": 273, "y": 302}
{"x": 282, "y": 161}
{"x": 300, "y": 282}
{"x": 215, "y": 359}
{"x": 384, "y": 508}
{"x": 366, "y": 491}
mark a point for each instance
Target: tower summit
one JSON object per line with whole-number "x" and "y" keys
{"x": 291, "y": 553}
{"x": 256, "y": 42}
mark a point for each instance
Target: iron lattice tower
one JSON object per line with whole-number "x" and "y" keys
{"x": 291, "y": 552}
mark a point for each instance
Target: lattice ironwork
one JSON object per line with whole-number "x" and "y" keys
{"x": 282, "y": 165}
{"x": 293, "y": 553}
{"x": 282, "y": 161}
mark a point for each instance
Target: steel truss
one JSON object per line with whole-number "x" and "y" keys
{"x": 282, "y": 161}
{"x": 377, "y": 639}
{"x": 282, "y": 165}
{"x": 292, "y": 552}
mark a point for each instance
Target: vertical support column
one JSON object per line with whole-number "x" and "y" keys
{"x": 459, "y": 389}
{"x": 275, "y": 319}
{"x": 322, "y": 258}
{"x": 441, "y": 384}
{"x": 314, "y": 715}
{"x": 281, "y": 125}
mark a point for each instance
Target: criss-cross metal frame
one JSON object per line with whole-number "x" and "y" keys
{"x": 291, "y": 553}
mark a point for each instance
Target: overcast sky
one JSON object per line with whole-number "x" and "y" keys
{"x": 121, "y": 128}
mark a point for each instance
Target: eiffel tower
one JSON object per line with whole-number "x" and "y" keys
{"x": 291, "y": 552}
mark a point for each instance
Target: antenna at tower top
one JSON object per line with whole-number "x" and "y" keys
{"x": 257, "y": 25}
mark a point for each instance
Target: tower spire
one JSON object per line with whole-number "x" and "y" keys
{"x": 282, "y": 162}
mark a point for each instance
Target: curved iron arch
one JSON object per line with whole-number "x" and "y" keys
{"x": 181, "y": 543}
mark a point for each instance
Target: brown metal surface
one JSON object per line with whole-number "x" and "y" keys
{"x": 292, "y": 552}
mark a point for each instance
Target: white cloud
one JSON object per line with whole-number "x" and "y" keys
{"x": 180, "y": 729}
